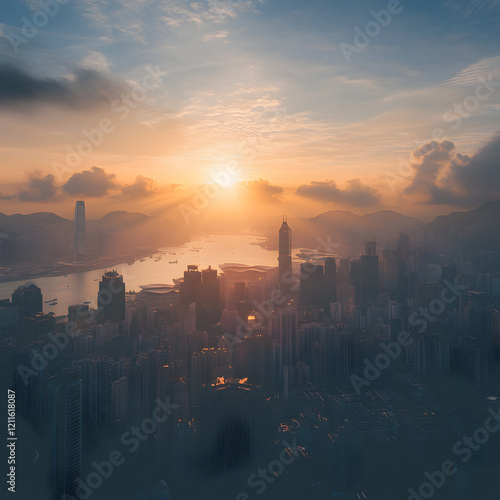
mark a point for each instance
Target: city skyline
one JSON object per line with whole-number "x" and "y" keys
{"x": 250, "y": 249}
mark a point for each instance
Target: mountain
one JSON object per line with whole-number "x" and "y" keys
{"x": 119, "y": 231}
{"x": 346, "y": 229}
{"x": 24, "y": 224}
{"x": 470, "y": 231}
{"x": 387, "y": 219}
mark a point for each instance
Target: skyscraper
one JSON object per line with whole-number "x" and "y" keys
{"x": 111, "y": 298}
{"x": 285, "y": 258}
{"x": 288, "y": 331}
{"x": 80, "y": 231}
{"x": 190, "y": 287}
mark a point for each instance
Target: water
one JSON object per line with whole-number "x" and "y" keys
{"x": 213, "y": 250}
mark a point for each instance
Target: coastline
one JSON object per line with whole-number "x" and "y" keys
{"x": 26, "y": 270}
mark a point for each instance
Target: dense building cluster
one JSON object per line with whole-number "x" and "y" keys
{"x": 344, "y": 363}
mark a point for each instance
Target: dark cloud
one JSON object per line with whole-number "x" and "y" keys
{"x": 93, "y": 183}
{"x": 86, "y": 87}
{"x": 356, "y": 193}
{"x": 38, "y": 189}
{"x": 443, "y": 176}
{"x": 142, "y": 187}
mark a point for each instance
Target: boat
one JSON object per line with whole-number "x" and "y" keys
{"x": 173, "y": 261}
{"x": 48, "y": 301}
{"x": 88, "y": 302}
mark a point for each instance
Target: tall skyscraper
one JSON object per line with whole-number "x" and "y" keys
{"x": 80, "y": 231}
{"x": 111, "y": 298}
{"x": 285, "y": 258}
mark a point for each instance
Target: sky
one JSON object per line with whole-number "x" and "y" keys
{"x": 261, "y": 106}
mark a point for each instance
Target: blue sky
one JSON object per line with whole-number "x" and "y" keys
{"x": 228, "y": 69}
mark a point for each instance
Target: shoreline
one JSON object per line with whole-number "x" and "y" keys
{"x": 21, "y": 272}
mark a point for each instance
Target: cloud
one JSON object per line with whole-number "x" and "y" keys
{"x": 37, "y": 189}
{"x": 142, "y": 187}
{"x": 260, "y": 189}
{"x": 429, "y": 161}
{"x": 178, "y": 12}
{"x": 96, "y": 61}
{"x": 86, "y": 87}
{"x": 443, "y": 176}
{"x": 216, "y": 36}
{"x": 355, "y": 194}
{"x": 92, "y": 183}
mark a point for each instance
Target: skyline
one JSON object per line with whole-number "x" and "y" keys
{"x": 306, "y": 120}
{"x": 250, "y": 248}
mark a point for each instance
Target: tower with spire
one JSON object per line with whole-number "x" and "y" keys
{"x": 285, "y": 257}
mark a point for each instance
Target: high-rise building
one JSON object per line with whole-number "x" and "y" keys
{"x": 208, "y": 310}
{"x": 65, "y": 412}
{"x": 371, "y": 248}
{"x": 111, "y": 298}
{"x": 355, "y": 277}
{"x": 311, "y": 285}
{"x": 28, "y": 298}
{"x": 330, "y": 282}
{"x": 80, "y": 232}
{"x": 189, "y": 288}
{"x": 79, "y": 315}
{"x": 288, "y": 328}
{"x": 285, "y": 258}
{"x": 369, "y": 272}
{"x": 96, "y": 379}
